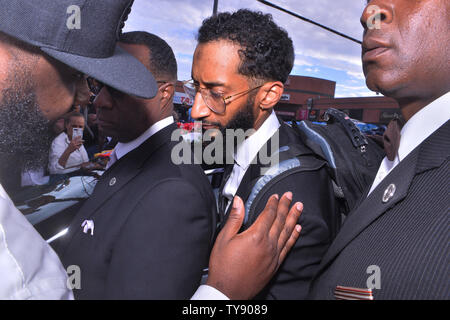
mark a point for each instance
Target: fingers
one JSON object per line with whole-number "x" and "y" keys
{"x": 282, "y": 213}
{"x": 289, "y": 229}
{"x": 235, "y": 219}
{"x": 290, "y": 243}
{"x": 266, "y": 218}
{"x": 77, "y": 142}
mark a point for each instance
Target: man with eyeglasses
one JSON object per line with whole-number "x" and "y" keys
{"x": 41, "y": 61}
{"x": 239, "y": 68}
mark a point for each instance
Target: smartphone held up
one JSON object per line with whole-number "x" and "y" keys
{"x": 77, "y": 132}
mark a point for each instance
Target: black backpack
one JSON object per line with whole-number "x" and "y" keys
{"x": 353, "y": 158}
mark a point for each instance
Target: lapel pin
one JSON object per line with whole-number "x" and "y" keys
{"x": 88, "y": 225}
{"x": 112, "y": 181}
{"x": 389, "y": 193}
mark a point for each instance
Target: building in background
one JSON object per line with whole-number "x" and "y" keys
{"x": 307, "y": 98}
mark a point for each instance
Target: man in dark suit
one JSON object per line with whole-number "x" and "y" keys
{"x": 394, "y": 245}
{"x": 42, "y": 62}
{"x": 240, "y": 65}
{"x": 147, "y": 230}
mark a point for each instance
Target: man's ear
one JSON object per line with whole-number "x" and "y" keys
{"x": 270, "y": 93}
{"x": 167, "y": 91}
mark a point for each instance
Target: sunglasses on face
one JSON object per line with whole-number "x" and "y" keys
{"x": 96, "y": 87}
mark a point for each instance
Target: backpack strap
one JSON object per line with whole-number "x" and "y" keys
{"x": 269, "y": 175}
{"x": 290, "y": 162}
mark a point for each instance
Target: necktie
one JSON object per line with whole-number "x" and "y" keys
{"x": 391, "y": 138}
{"x": 223, "y": 201}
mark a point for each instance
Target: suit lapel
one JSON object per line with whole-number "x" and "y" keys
{"x": 246, "y": 184}
{"x": 430, "y": 154}
{"x": 118, "y": 175}
{"x": 244, "y": 188}
{"x": 254, "y": 171}
{"x": 373, "y": 206}
{"x": 111, "y": 181}
{"x": 125, "y": 169}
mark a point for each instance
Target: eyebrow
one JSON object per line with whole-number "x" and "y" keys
{"x": 214, "y": 84}
{"x": 211, "y": 84}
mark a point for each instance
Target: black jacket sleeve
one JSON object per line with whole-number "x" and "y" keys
{"x": 314, "y": 190}
{"x": 162, "y": 257}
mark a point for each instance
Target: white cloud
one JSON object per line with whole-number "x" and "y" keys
{"x": 357, "y": 75}
{"x": 302, "y": 62}
{"x": 357, "y": 90}
{"x": 315, "y": 70}
{"x": 177, "y": 22}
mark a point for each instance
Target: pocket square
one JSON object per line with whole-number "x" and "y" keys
{"x": 349, "y": 293}
{"x": 88, "y": 225}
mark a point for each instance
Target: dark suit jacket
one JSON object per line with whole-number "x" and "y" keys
{"x": 407, "y": 237}
{"x": 153, "y": 227}
{"x": 311, "y": 186}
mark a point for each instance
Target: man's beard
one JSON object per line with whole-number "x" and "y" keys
{"x": 244, "y": 119}
{"x": 25, "y": 134}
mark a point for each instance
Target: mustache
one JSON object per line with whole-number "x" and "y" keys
{"x": 209, "y": 123}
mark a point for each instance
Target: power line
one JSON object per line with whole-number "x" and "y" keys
{"x": 216, "y": 3}
{"x": 310, "y": 21}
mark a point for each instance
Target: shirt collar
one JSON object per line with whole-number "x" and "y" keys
{"x": 423, "y": 124}
{"x": 122, "y": 148}
{"x": 248, "y": 150}
{"x": 65, "y": 137}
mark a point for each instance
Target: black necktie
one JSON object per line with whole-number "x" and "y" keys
{"x": 391, "y": 138}
{"x": 223, "y": 202}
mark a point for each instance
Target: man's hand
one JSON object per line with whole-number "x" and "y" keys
{"x": 242, "y": 264}
{"x": 90, "y": 166}
{"x": 75, "y": 144}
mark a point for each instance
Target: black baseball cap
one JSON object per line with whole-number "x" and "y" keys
{"x": 82, "y": 34}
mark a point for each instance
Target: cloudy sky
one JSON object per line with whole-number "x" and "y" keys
{"x": 318, "y": 53}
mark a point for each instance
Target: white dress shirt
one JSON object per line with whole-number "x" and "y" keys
{"x": 246, "y": 152}
{"x": 29, "y": 268}
{"x": 76, "y": 158}
{"x": 122, "y": 148}
{"x": 414, "y": 132}
{"x": 205, "y": 292}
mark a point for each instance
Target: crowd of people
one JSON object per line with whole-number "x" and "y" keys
{"x": 152, "y": 227}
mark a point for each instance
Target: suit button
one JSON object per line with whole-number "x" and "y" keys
{"x": 112, "y": 181}
{"x": 389, "y": 193}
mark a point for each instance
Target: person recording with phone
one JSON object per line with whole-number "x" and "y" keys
{"x": 67, "y": 153}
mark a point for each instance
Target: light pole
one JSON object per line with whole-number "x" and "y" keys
{"x": 216, "y": 3}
